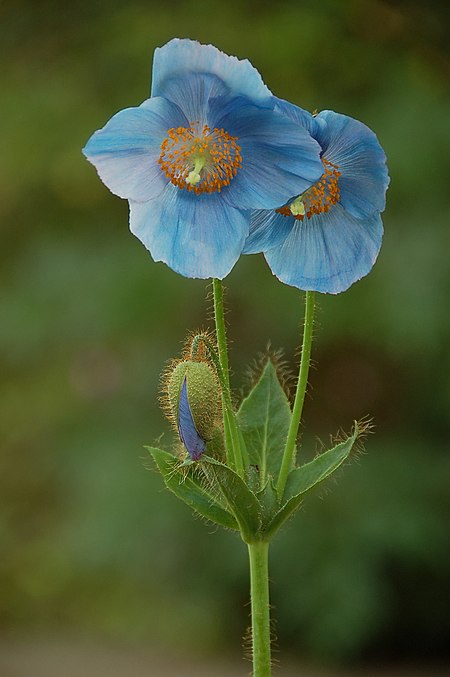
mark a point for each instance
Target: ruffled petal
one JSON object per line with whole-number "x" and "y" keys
{"x": 362, "y": 162}
{"x": 193, "y": 92}
{"x": 279, "y": 157}
{"x": 268, "y": 229}
{"x": 328, "y": 252}
{"x": 179, "y": 57}
{"x": 300, "y": 116}
{"x": 126, "y": 151}
{"x": 194, "y": 443}
{"x": 196, "y": 235}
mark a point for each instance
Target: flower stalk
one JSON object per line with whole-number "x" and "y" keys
{"x": 221, "y": 333}
{"x": 260, "y": 608}
{"x": 290, "y": 448}
{"x": 235, "y": 453}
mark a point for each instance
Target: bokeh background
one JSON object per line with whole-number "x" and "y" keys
{"x": 93, "y": 552}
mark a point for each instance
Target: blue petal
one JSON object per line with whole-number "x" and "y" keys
{"x": 328, "y": 252}
{"x": 192, "y": 93}
{"x": 280, "y": 159}
{"x": 268, "y": 229}
{"x": 126, "y": 151}
{"x": 300, "y": 116}
{"x": 180, "y": 57}
{"x": 361, "y": 160}
{"x": 190, "y": 437}
{"x": 196, "y": 235}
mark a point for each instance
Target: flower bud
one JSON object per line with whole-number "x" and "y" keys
{"x": 192, "y": 403}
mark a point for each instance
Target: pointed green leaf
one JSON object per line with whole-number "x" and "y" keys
{"x": 302, "y": 479}
{"x": 242, "y": 502}
{"x": 187, "y": 486}
{"x": 308, "y": 475}
{"x": 269, "y": 502}
{"x": 264, "y": 418}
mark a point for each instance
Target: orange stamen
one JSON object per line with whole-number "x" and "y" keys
{"x": 184, "y": 146}
{"x": 321, "y": 196}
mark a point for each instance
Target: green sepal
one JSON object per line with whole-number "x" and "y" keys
{"x": 241, "y": 501}
{"x": 185, "y": 484}
{"x": 215, "y": 447}
{"x": 306, "y": 477}
{"x": 264, "y": 418}
{"x": 203, "y": 394}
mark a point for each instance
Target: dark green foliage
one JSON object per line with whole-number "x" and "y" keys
{"x": 251, "y": 503}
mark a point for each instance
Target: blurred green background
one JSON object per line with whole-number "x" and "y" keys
{"x": 90, "y": 544}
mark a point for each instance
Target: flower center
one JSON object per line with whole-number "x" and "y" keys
{"x": 317, "y": 199}
{"x": 200, "y": 159}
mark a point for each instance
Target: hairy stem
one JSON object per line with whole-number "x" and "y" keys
{"x": 260, "y": 609}
{"x": 289, "y": 450}
{"x": 221, "y": 334}
{"x": 232, "y": 438}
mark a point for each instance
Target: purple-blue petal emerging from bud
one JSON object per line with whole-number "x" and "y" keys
{"x": 194, "y": 443}
{"x": 191, "y": 401}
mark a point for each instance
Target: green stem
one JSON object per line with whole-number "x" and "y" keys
{"x": 259, "y": 593}
{"x": 232, "y": 440}
{"x": 221, "y": 334}
{"x": 289, "y": 450}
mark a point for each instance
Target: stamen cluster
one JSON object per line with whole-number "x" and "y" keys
{"x": 210, "y": 155}
{"x": 321, "y": 196}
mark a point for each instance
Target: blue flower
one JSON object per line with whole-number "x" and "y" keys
{"x": 192, "y": 160}
{"x": 329, "y": 236}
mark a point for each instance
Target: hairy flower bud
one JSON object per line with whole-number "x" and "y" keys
{"x": 192, "y": 399}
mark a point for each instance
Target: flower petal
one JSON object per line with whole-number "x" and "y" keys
{"x": 268, "y": 229}
{"x": 300, "y": 116}
{"x": 327, "y": 252}
{"x": 196, "y": 235}
{"x": 195, "y": 445}
{"x": 279, "y": 157}
{"x": 126, "y": 151}
{"x": 192, "y": 93}
{"x": 355, "y": 149}
{"x": 178, "y": 58}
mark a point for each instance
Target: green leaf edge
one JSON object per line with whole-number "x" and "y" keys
{"x": 293, "y": 493}
{"x": 269, "y": 372}
{"x": 247, "y": 511}
{"x": 204, "y": 504}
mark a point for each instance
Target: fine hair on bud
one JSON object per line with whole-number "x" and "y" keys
{"x": 203, "y": 393}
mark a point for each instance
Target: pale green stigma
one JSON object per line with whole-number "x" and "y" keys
{"x": 297, "y": 208}
{"x": 194, "y": 176}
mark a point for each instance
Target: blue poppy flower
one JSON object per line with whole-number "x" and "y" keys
{"x": 329, "y": 236}
{"x": 193, "y": 159}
